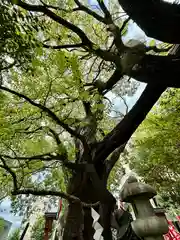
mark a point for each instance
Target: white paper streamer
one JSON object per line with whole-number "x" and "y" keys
{"x": 98, "y": 228}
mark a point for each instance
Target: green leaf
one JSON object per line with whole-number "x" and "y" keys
{"x": 14, "y": 1}
{"x": 152, "y": 43}
{"x": 35, "y": 63}
{"x": 39, "y": 51}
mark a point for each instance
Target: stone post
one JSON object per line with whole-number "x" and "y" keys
{"x": 147, "y": 224}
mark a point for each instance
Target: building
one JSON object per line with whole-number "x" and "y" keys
{"x": 40, "y": 206}
{"x": 5, "y": 232}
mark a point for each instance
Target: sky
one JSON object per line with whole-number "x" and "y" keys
{"x": 134, "y": 32}
{"x": 5, "y": 208}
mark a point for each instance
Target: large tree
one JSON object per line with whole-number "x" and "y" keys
{"x": 53, "y": 115}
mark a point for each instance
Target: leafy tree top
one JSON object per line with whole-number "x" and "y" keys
{"x": 155, "y": 152}
{"x": 55, "y": 115}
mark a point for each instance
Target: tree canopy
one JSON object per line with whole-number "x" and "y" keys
{"x": 57, "y": 134}
{"x": 37, "y": 231}
{"x": 155, "y": 152}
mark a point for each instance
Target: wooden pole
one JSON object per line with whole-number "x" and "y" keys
{"x": 46, "y": 234}
{"x": 24, "y": 232}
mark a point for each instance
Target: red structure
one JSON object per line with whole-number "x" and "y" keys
{"x": 49, "y": 218}
{"x": 173, "y": 234}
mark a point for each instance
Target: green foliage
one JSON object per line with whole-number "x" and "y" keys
{"x": 17, "y": 40}
{"x": 1, "y": 224}
{"x": 155, "y": 155}
{"x": 15, "y": 235}
{"x": 152, "y": 43}
{"x": 25, "y": 130}
{"x": 37, "y": 231}
{"x": 56, "y": 86}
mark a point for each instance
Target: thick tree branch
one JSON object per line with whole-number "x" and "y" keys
{"x": 45, "y": 193}
{"x": 87, "y": 108}
{"x": 116, "y": 76}
{"x": 158, "y": 19}
{"x": 115, "y": 30}
{"x": 43, "y": 157}
{"x": 77, "y": 45}
{"x": 102, "y": 87}
{"x": 124, "y": 130}
{"x": 104, "y": 195}
{"x": 56, "y": 18}
{"x": 66, "y": 196}
{"x": 113, "y": 159}
{"x": 158, "y": 69}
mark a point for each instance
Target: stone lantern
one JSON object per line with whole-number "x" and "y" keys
{"x": 148, "y": 224}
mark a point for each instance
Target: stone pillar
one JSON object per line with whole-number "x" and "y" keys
{"x": 147, "y": 224}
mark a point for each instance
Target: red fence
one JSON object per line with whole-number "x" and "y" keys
{"x": 173, "y": 234}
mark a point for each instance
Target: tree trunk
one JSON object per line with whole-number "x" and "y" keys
{"x": 82, "y": 187}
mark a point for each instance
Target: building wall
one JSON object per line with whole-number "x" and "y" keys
{"x": 39, "y": 208}
{"x": 7, "y": 227}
